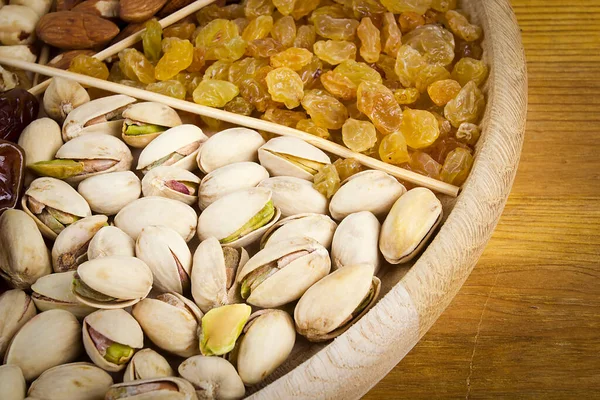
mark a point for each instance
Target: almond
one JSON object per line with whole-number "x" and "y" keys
{"x": 128, "y": 31}
{"x": 66, "y": 5}
{"x": 75, "y": 30}
{"x": 99, "y": 8}
{"x": 139, "y": 10}
{"x": 173, "y": 6}
{"x": 63, "y": 60}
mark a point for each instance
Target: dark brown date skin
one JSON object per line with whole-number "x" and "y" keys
{"x": 12, "y": 170}
{"x": 18, "y": 108}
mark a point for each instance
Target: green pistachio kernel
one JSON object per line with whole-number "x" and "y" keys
{"x": 60, "y": 169}
{"x": 260, "y": 219}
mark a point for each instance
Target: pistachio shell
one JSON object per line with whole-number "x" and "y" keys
{"x": 75, "y": 123}
{"x": 128, "y": 279}
{"x": 111, "y": 241}
{"x": 299, "y": 262}
{"x": 116, "y": 325}
{"x": 16, "y": 308}
{"x": 267, "y": 342}
{"x": 315, "y": 226}
{"x": 18, "y": 51}
{"x": 228, "y": 179}
{"x": 355, "y": 241}
{"x": 227, "y": 215}
{"x": 295, "y": 196}
{"x": 70, "y": 247}
{"x": 23, "y": 254}
{"x": 215, "y": 378}
{"x": 277, "y": 154}
{"x": 185, "y": 390}
{"x": 210, "y": 275}
{"x": 108, "y": 193}
{"x": 170, "y": 141}
{"x": 12, "y": 383}
{"x": 54, "y": 292}
{"x": 41, "y": 140}
{"x": 156, "y": 183}
{"x": 147, "y": 364}
{"x": 61, "y": 97}
{"x": 228, "y": 147}
{"x": 45, "y": 341}
{"x": 374, "y": 191}
{"x": 410, "y": 223}
{"x": 151, "y": 113}
{"x": 80, "y": 380}
{"x": 327, "y": 309}
{"x": 168, "y": 257}
{"x": 156, "y": 210}
{"x": 172, "y": 328}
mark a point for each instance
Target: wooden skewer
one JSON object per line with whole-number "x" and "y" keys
{"x": 237, "y": 119}
{"x": 136, "y": 37}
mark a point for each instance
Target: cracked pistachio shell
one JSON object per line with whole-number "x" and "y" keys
{"x": 295, "y": 196}
{"x": 148, "y": 113}
{"x": 80, "y": 380}
{"x": 127, "y": 279}
{"x": 356, "y": 241}
{"x": 16, "y": 308}
{"x": 77, "y": 122}
{"x": 213, "y": 281}
{"x": 116, "y": 325}
{"x": 12, "y": 383}
{"x": 169, "y": 142}
{"x": 156, "y": 210}
{"x": 70, "y": 247}
{"x": 228, "y": 179}
{"x": 409, "y": 225}
{"x": 315, "y": 226}
{"x": 157, "y": 183}
{"x": 299, "y": 263}
{"x": 49, "y": 339}
{"x": 147, "y": 364}
{"x": 111, "y": 241}
{"x": 108, "y": 193}
{"x": 267, "y": 342}
{"x": 230, "y": 213}
{"x": 221, "y": 327}
{"x": 54, "y": 292}
{"x": 327, "y": 309}
{"x": 185, "y": 390}
{"x": 168, "y": 257}
{"x": 213, "y": 377}
{"x": 374, "y": 191}
{"x": 171, "y": 322}
{"x": 227, "y": 147}
{"x": 56, "y": 194}
{"x": 63, "y": 96}
{"x": 24, "y": 257}
{"x": 290, "y": 156}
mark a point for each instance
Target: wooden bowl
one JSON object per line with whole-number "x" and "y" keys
{"x": 414, "y": 296}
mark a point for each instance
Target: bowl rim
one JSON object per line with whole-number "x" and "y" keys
{"x": 354, "y": 362}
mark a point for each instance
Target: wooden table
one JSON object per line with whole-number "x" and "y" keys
{"x": 526, "y": 324}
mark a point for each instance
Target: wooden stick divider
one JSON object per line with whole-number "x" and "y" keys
{"x": 135, "y": 37}
{"x": 237, "y": 119}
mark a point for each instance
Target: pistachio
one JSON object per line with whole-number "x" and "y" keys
{"x": 221, "y": 327}
{"x": 12, "y": 383}
{"x": 295, "y": 196}
{"x": 41, "y": 140}
{"x": 17, "y": 24}
{"x": 144, "y": 122}
{"x": 111, "y": 241}
{"x": 266, "y": 343}
{"x": 171, "y": 322}
{"x": 23, "y": 254}
{"x": 63, "y": 96}
{"x": 213, "y": 378}
{"x": 80, "y": 380}
{"x": 355, "y": 241}
{"x": 41, "y": 7}
{"x": 282, "y": 272}
{"x": 111, "y": 337}
{"x": 315, "y": 226}
{"x": 228, "y": 179}
{"x": 334, "y": 303}
{"x": 109, "y": 193}
{"x": 170, "y": 388}
{"x": 228, "y": 147}
{"x": 239, "y": 218}
{"x": 409, "y": 224}
{"x": 289, "y": 156}
{"x": 147, "y": 364}
{"x": 70, "y": 247}
{"x": 54, "y": 292}
{"x": 19, "y": 52}
{"x": 16, "y": 308}
{"x": 49, "y": 339}
{"x": 173, "y": 183}
{"x": 213, "y": 274}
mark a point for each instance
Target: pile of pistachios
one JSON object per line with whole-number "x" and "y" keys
{"x": 150, "y": 260}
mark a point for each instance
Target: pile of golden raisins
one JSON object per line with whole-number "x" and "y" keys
{"x": 398, "y": 80}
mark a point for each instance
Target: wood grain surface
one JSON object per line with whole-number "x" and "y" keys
{"x": 526, "y": 324}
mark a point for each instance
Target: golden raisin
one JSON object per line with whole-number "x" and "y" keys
{"x": 441, "y": 92}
